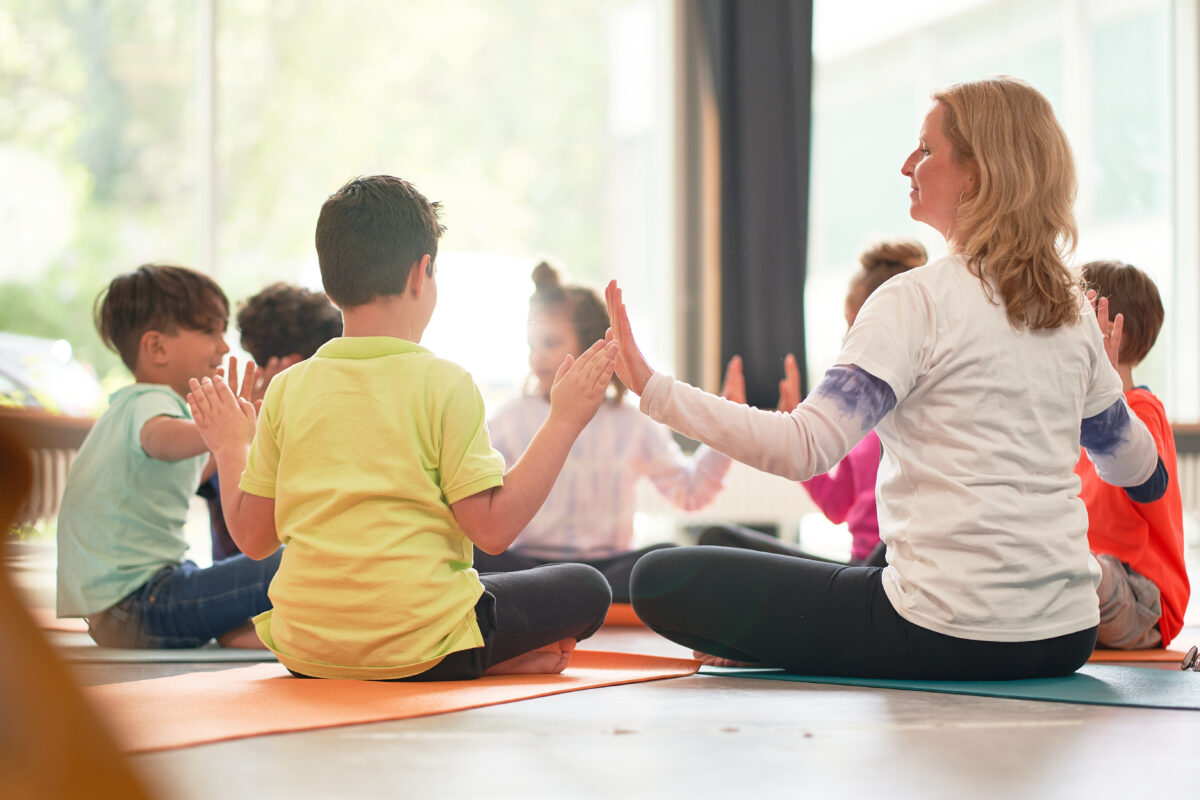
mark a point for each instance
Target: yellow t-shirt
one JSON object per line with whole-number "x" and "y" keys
{"x": 364, "y": 447}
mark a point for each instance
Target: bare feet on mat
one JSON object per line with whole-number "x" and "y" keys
{"x": 549, "y": 660}
{"x": 716, "y": 661}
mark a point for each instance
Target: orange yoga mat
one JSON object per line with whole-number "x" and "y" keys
{"x": 204, "y": 707}
{"x": 1155, "y": 654}
{"x": 621, "y": 615}
{"x": 1179, "y": 647}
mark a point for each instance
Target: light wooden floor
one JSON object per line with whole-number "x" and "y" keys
{"x": 702, "y": 736}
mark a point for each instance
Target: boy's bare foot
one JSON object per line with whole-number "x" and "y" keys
{"x": 244, "y": 637}
{"x": 716, "y": 661}
{"x": 549, "y": 660}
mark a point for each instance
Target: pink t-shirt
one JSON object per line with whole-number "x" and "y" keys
{"x": 847, "y": 494}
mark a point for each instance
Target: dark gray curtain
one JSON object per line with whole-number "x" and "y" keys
{"x": 761, "y": 55}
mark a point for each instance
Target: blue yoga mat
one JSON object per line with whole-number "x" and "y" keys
{"x": 1094, "y": 684}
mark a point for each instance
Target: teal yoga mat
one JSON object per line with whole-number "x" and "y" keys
{"x": 1094, "y": 684}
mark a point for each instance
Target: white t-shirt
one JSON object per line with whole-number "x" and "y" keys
{"x": 589, "y": 513}
{"x": 977, "y": 498}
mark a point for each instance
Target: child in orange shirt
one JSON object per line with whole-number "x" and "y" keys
{"x": 1144, "y": 589}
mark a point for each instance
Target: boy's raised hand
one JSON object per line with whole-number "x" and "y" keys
{"x": 632, "y": 368}
{"x": 226, "y": 421}
{"x": 580, "y": 383}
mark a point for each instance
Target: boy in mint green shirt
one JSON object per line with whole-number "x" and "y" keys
{"x": 121, "y": 545}
{"x": 372, "y": 463}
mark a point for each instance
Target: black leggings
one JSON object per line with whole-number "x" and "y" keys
{"x": 816, "y": 618}
{"x": 746, "y": 539}
{"x": 615, "y": 569}
{"x": 519, "y": 612}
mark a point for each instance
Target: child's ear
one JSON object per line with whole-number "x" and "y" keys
{"x": 152, "y": 348}
{"x": 418, "y": 274}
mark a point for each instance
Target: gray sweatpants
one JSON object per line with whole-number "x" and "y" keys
{"x": 1130, "y": 607}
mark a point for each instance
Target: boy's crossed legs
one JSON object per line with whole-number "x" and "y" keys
{"x": 530, "y": 621}
{"x": 186, "y": 606}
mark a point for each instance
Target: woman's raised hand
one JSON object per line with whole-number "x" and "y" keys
{"x": 1110, "y": 330}
{"x": 632, "y": 368}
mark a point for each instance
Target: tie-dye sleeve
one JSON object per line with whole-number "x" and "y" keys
{"x": 1122, "y": 449}
{"x": 810, "y": 440}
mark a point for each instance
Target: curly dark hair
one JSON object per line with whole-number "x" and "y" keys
{"x": 283, "y": 319}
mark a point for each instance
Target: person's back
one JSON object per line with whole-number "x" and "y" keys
{"x": 1144, "y": 590}
{"x": 372, "y": 440}
{"x": 281, "y": 325}
{"x": 998, "y": 410}
{"x": 372, "y": 463}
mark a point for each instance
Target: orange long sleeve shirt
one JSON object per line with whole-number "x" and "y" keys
{"x": 1146, "y": 536}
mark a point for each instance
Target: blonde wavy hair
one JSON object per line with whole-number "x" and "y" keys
{"x": 1018, "y": 226}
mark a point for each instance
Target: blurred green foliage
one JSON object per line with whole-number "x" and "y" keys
{"x": 498, "y": 109}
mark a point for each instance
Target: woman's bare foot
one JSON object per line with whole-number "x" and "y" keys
{"x": 244, "y": 637}
{"x": 716, "y": 661}
{"x": 549, "y": 660}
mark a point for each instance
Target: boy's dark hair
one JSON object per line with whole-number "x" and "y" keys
{"x": 369, "y": 234}
{"x": 583, "y": 305}
{"x": 1132, "y": 293}
{"x": 283, "y": 319}
{"x": 156, "y": 297}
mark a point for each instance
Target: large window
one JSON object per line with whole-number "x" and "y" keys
{"x": 209, "y": 133}
{"x": 1108, "y": 67}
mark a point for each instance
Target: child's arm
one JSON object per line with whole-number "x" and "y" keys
{"x": 493, "y": 518}
{"x": 175, "y": 438}
{"x": 692, "y": 482}
{"x": 172, "y": 439}
{"x": 227, "y": 424}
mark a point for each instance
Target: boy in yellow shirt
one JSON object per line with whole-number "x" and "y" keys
{"x": 372, "y": 463}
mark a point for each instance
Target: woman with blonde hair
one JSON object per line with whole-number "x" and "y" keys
{"x": 982, "y": 373}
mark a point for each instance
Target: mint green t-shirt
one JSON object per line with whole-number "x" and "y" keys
{"x": 363, "y": 448}
{"x": 122, "y": 512}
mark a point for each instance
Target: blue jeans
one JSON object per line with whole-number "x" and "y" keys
{"x": 186, "y": 606}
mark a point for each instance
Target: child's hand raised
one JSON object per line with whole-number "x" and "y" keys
{"x": 226, "y": 421}
{"x": 632, "y": 368}
{"x": 580, "y": 384}
{"x": 734, "y": 387}
{"x": 251, "y": 378}
{"x": 789, "y": 387}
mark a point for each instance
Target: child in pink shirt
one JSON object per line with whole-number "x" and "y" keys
{"x": 847, "y": 492}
